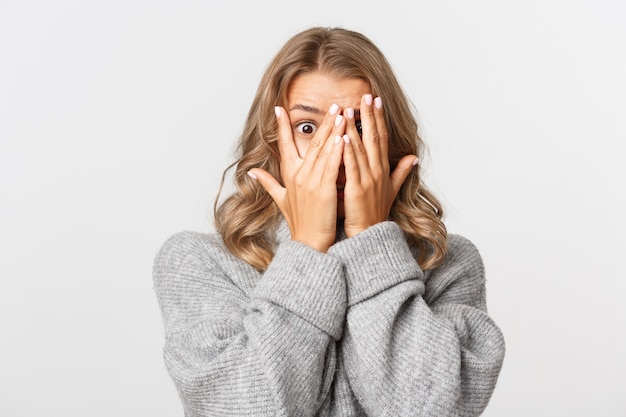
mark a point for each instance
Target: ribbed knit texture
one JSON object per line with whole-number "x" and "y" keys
{"x": 359, "y": 331}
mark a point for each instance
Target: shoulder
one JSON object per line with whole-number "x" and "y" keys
{"x": 202, "y": 258}
{"x": 462, "y": 251}
{"x": 461, "y": 277}
{"x": 193, "y": 275}
{"x": 462, "y": 258}
{"x": 185, "y": 244}
{"x": 189, "y": 251}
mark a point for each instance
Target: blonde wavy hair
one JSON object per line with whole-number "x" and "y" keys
{"x": 247, "y": 219}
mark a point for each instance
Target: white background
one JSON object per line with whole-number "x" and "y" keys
{"x": 118, "y": 117}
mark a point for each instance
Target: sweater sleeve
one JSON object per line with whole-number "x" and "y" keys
{"x": 414, "y": 346}
{"x": 266, "y": 351}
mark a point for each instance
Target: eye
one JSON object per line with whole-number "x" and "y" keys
{"x": 306, "y": 128}
{"x": 359, "y": 128}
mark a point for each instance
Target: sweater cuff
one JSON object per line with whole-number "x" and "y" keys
{"x": 376, "y": 259}
{"x": 307, "y": 283}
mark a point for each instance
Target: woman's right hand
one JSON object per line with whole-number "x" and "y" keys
{"x": 308, "y": 199}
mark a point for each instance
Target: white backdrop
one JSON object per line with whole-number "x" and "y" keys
{"x": 118, "y": 117}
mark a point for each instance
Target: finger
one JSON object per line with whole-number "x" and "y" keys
{"x": 370, "y": 137}
{"x": 383, "y": 136}
{"x": 359, "y": 153}
{"x": 321, "y": 164}
{"x": 269, "y": 183}
{"x": 351, "y": 128}
{"x": 353, "y": 174}
{"x": 331, "y": 171}
{"x": 286, "y": 145}
{"x": 402, "y": 171}
{"x": 321, "y": 136}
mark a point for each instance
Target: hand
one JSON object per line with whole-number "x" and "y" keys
{"x": 370, "y": 190}
{"x": 308, "y": 199}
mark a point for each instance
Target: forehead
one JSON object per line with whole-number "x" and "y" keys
{"x": 321, "y": 91}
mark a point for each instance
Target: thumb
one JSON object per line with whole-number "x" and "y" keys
{"x": 269, "y": 183}
{"x": 404, "y": 167}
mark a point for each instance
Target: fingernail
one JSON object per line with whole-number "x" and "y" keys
{"x": 378, "y": 102}
{"x": 333, "y": 109}
{"x": 368, "y": 99}
{"x": 416, "y": 161}
{"x": 350, "y": 113}
{"x": 277, "y": 111}
{"x": 337, "y": 139}
{"x": 338, "y": 120}
{"x": 251, "y": 175}
{"x": 346, "y": 138}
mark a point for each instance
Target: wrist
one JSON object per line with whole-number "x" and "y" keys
{"x": 352, "y": 230}
{"x": 320, "y": 245}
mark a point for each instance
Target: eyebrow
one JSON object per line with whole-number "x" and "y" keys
{"x": 315, "y": 110}
{"x": 308, "y": 109}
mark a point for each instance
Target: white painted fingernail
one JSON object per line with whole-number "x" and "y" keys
{"x": 350, "y": 112}
{"x": 416, "y": 161}
{"x": 346, "y": 138}
{"x": 333, "y": 109}
{"x": 368, "y": 99}
{"x": 251, "y": 175}
{"x": 277, "y": 111}
{"x": 337, "y": 139}
{"x": 378, "y": 102}
{"x": 338, "y": 120}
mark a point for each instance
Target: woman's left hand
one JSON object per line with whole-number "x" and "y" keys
{"x": 370, "y": 189}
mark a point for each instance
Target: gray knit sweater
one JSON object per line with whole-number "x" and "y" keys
{"x": 358, "y": 331}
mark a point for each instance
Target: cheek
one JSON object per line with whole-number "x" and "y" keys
{"x": 302, "y": 145}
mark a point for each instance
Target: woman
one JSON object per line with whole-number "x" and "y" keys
{"x": 332, "y": 287}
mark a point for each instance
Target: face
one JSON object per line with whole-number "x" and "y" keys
{"x": 308, "y": 99}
